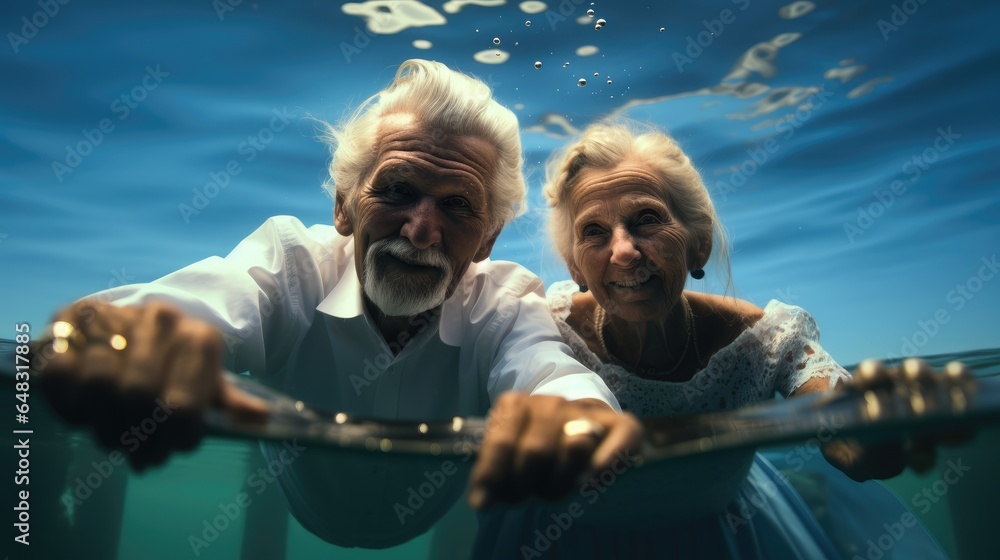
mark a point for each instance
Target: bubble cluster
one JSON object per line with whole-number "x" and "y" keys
{"x": 600, "y": 23}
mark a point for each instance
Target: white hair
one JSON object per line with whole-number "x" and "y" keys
{"x": 605, "y": 145}
{"x": 448, "y": 103}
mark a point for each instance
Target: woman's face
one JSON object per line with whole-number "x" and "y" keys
{"x": 629, "y": 248}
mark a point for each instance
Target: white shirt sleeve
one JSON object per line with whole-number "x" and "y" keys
{"x": 253, "y": 296}
{"x": 531, "y": 355}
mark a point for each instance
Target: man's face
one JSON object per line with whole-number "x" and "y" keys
{"x": 421, "y": 217}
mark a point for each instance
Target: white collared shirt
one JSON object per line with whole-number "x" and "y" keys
{"x": 288, "y": 303}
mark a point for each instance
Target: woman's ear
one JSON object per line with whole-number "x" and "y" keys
{"x": 700, "y": 251}
{"x": 341, "y": 220}
{"x": 574, "y": 272}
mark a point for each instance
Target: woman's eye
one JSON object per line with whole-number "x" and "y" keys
{"x": 457, "y": 202}
{"x": 647, "y": 219}
{"x": 592, "y": 231}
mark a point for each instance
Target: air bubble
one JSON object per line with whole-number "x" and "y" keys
{"x": 582, "y": 82}
{"x": 600, "y": 23}
{"x": 590, "y": 13}
{"x": 609, "y": 82}
{"x": 662, "y": 29}
{"x": 597, "y": 74}
{"x": 496, "y": 40}
{"x": 527, "y": 24}
{"x": 538, "y": 65}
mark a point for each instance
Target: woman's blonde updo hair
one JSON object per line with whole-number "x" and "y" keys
{"x": 450, "y": 103}
{"x": 605, "y": 145}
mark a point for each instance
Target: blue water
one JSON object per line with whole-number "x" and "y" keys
{"x": 114, "y": 217}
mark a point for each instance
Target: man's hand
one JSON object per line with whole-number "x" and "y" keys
{"x": 911, "y": 380}
{"x": 539, "y": 446}
{"x": 141, "y": 377}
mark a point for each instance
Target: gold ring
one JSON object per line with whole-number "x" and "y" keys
{"x": 62, "y": 335}
{"x": 584, "y": 426}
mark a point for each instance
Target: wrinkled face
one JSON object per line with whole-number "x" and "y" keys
{"x": 421, "y": 217}
{"x": 628, "y": 248}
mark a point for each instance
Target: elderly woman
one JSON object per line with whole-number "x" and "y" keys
{"x": 632, "y": 219}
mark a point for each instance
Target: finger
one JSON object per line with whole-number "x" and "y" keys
{"x": 101, "y": 366}
{"x": 242, "y": 405}
{"x": 490, "y": 475}
{"x": 871, "y": 375}
{"x": 538, "y": 448}
{"x": 193, "y": 382}
{"x": 149, "y": 345}
{"x": 57, "y": 364}
{"x": 576, "y": 449}
{"x": 623, "y": 439}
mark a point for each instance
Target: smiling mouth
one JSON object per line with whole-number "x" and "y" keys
{"x": 631, "y": 284}
{"x": 412, "y": 265}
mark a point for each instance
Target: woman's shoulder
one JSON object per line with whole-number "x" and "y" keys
{"x": 726, "y": 311}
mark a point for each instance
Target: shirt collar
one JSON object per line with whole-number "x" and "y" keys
{"x": 344, "y": 300}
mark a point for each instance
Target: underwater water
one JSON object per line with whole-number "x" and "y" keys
{"x": 850, "y": 147}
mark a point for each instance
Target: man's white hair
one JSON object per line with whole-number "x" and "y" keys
{"x": 449, "y": 103}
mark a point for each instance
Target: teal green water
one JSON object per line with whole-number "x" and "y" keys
{"x": 209, "y": 504}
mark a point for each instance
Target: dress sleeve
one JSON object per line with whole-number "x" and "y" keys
{"x": 253, "y": 296}
{"x": 794, "y": 351}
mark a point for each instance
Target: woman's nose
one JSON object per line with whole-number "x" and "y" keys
{"x": 623, "y": 250}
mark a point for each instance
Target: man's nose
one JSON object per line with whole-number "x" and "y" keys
{"x": 423, "y": 224}
{"x": 623, "y": 250}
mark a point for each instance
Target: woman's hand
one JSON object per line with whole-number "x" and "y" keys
{"x": 141, "y": 376}
{"x": 912, "y": 380}
{"x": 540, "y": 446}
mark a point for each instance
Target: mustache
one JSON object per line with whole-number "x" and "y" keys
{"x": 403, "y": 250}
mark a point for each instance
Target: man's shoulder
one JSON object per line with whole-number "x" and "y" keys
{"x": 501, "y": 276}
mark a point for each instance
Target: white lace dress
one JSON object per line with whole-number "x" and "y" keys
{"x": 735, "y": 506}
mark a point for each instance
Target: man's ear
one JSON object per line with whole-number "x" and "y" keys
{"x": 487, "y": 247}
{"x": 341, "y": 220}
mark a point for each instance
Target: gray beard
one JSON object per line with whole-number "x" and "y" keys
{"x": 398, "y": 294}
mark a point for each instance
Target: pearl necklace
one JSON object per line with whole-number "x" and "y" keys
{"x": 689, "y": 327}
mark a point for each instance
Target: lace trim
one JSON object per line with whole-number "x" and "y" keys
{"x": 779, "y": 353}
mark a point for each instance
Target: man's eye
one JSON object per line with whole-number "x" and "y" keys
{"x": 456, "y": 202}
{"x": 591, "y": 231}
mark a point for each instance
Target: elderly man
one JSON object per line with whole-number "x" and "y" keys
{"x": 394, "y": 313}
